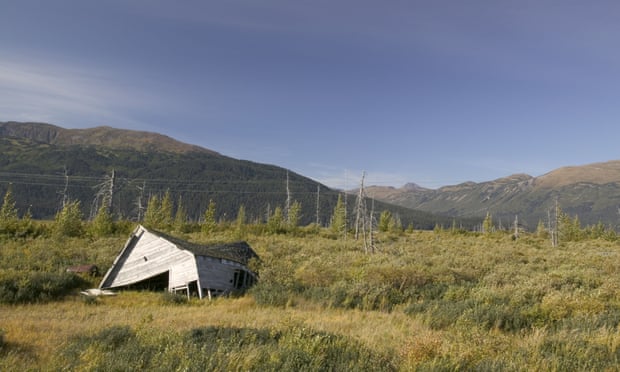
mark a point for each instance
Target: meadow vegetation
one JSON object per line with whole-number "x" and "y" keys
{"x": 425, "y": 300}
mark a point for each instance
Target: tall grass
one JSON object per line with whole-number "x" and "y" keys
{"x": 215, "y": 348}
{"x": 424, "y": 301}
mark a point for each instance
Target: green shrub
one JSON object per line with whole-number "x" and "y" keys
{"x": 271, "y": 294}
{"x": 102, "y": 224}
{"x": 174, "y": 298}
{"x": 68, "y": 222}
{"x": 30, "y": 287}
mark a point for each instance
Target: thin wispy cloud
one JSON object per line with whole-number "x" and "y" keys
{"x": 435, "y": 93}
{"x": 60, "y": 93}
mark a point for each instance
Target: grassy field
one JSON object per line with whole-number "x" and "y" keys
{"x": 425, "y": 301}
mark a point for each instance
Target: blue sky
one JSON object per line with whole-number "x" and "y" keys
{"x": 432, "y": 92}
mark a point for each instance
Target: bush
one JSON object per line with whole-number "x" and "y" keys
{"x": 29, "y": 287}
{"x": 103, "y": 224}
{"x": 270, "y": 294}
{"x": 68, "y": 222}
{"x": 174, "y": 298}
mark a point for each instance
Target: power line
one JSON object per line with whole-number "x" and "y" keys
{"x": 180, "y": 185}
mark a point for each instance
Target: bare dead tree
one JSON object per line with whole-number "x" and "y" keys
{"x": 372, "y": 226}
{"x": 139, "y": 204}
{"x": 104, "y": 195}
{"x": 360, "y": 210}
{"x": 346, "y": 206}
{"x": 365, "y": 222}
{"x": 516, "y": 227}
{"x": 553, "y": 224}
{"x": 110, "y": 193}
{"x": 556, "y": 228}
{"x": 65, "y": 190}
{"x": 318, "y": 194}
{"x": 549, "y": 228}
{"x": 287, "y": 207}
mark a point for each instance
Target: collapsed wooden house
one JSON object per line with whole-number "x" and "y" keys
{"x": 153, "y": 260}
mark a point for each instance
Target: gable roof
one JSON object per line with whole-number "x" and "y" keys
{"x": 239, "y": 251}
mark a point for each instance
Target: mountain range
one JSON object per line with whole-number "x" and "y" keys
{"x": 45, "y": 163}
{"x": 590, "y": 192}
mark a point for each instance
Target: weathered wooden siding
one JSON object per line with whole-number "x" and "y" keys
{"x": 218, "y": 275}
{"x": 151, "y": 256}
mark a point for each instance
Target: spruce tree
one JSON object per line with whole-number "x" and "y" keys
{"x": 541, "y": 230}
{"x": 487, "y": 224}
{"x": 152, "y": 216}
{"x": 275, "y": 224}
{"x": 210, "y": 223}
{"x": 180, "y": 217}
{"x": 339, "y": 221}
{"x": 26, "y": 227}
{"x": 240, "y": 222}
{"x": 294, "y": 215}
{"x": 167, "y": 208}
{"x": 68, "y": 221}
{"x": 103, "y": 224}
{"x": 8, "y": 214}
{"x": 385, "y": 221}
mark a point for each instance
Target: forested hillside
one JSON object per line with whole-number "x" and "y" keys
{"x": 43, "y": 174}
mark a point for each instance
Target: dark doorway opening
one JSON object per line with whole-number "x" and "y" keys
{"x": 158, "y": 282}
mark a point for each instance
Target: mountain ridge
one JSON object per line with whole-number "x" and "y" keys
{"x": 98, "y": 136}
{"x": 44, "y": 162}
{"x": 590, "y": 191}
